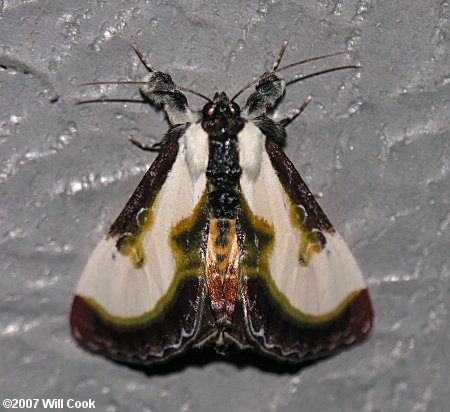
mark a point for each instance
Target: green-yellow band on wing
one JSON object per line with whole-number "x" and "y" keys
{"x": 131, "y": 244}
{"x": 259, "y": 237}
{"x": 309, "y": 241}
{"x": 185, "y": 240}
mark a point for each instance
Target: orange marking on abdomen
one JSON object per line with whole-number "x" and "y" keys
{"x": 222, "y": 268}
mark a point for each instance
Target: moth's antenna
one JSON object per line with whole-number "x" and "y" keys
{"x": 275, "y": 68}
{"x": 325, "y": 56}
{"x": 163, "y": 86}
{"x": 299, "y": 77}
{"x": 158, "y": 85}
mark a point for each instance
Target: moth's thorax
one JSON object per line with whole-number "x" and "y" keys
{"x": 222, "y": 122}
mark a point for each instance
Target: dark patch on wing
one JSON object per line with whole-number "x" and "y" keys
{"x": 167, "y": 335}
{"x": 288, "y": 339}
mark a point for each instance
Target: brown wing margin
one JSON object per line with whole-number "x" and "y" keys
{"x": 276, "y": 333}
{"x": 146, "y": 192}
{"x": 296, "y": 188}
{"x": 164, "y": 337}
{"x": 175, "y": 328}
{"x": 280, "y": 336}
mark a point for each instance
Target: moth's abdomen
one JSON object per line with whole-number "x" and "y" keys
{"x": 222, "y": 269}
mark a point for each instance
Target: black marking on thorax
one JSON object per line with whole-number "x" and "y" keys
{"x": 223, "y": 171}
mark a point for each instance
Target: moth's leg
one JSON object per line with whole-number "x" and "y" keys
{"x": 273, "y": 131}
{"x": 268, "y": 90}
{"x": 160, "y": 91}
{"x": 286, "y": 119}
{"x": 280, "y": 55}
{"x": 276, "y": 131}
{"x": 173, "y": 134}
{"x": 144, "y": 146}
{"x": 143, "y": 59}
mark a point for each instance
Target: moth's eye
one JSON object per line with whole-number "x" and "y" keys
{"x": 209, "y": 110}
{"x": 234, "y": 109}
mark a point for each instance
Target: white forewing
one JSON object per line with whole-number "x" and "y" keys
{"x": 197, "y": 150}
{"x": 251, "y": 146}
{"x": 111, "y": 279}
{"x": 330, "y": 276}
{"x": 196, "y": 147}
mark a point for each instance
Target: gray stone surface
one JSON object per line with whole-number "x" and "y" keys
{"x": 375, "y": 141}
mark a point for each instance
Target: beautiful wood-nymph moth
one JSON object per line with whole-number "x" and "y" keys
{"x": 221, "y": 245}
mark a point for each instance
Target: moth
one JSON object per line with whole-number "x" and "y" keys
{"x": 222, "y": 243}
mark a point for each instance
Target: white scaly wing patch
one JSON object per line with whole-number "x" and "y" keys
{"x": 325, "y": 280}
{"x": 111, "y": 280}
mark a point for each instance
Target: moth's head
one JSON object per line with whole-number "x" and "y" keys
{"x": 221, "y": 107}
